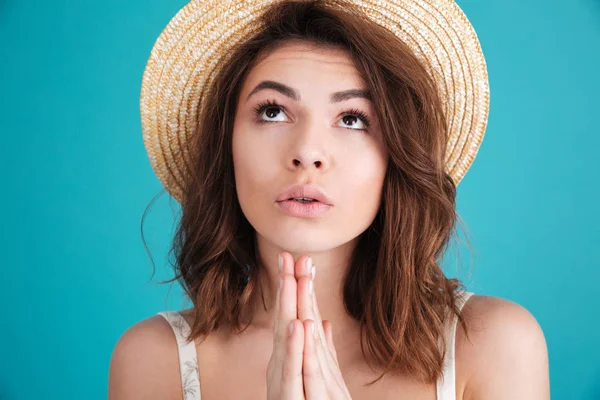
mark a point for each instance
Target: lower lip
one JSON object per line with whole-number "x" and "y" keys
{"x": 294, "y": 208}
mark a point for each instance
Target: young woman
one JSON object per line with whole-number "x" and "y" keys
{"x": 315, "y": 148}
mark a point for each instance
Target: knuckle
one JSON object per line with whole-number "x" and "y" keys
{"x": 307, "y": 323}
{"x": 292, "y": 351}
{"x": 305, "y": 281}
{"x": 272, "y": 372}
{"x": 278, "y": 339}
{"x": 287, "y": 375}
{"x": 312, "y": 373}
{"x": 318, "y": 340}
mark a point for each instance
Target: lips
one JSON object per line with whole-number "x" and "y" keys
{"x": 311, "y": 209}
{"x": 306, "y": 191}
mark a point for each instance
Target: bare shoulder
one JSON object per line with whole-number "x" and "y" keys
{"x": 144, "y": 363}
{"x": 505, "y": 355}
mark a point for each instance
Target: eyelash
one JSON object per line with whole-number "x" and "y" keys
{"x": 261, "y": 107}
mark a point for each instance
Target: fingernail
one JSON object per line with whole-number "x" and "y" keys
{"x": 291, "y": 328}
{"x": 308, "y": 265}
{"x": 313, "y": 272}
{"x": 310, "y": 287}
{"x": 280, "y": 260}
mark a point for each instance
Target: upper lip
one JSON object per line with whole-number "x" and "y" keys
{"x": 308, "y": 191}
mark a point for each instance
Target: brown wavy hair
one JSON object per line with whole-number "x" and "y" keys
{"x": 404, "y": 302}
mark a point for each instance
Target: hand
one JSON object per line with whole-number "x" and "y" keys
{"x": 284, "y": 371}
{"x": 321, "y": 374}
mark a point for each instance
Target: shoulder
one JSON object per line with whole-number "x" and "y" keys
{"x": 505, "y": 354}
{"x": 144, "y": 363}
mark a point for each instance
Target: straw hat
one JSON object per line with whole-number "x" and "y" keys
{"x": 184, "y": 60}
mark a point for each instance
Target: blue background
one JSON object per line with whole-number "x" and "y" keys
{"x": 76, "y": 181}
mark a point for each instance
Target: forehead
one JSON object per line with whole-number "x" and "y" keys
{"x": 305, "y": 59}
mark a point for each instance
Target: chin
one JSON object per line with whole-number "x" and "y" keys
{"x": 307, "y": 240}
{"x": 304, "y": 236}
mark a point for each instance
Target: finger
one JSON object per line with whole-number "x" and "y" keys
{"x": 303, "y": 266}
{"x": 304, "y": 277}
{"x": 328, "y": 328}
{"x": 288, "y": 263}
{"x": 285, "y": 311}
{"x": 316, "y": 314}
{"x": 305, "y": 302}
{"x": 287, "y": 306}
{"x": 276, "y": 360}
{"x": 276, "y": 311}
{"x": 314, "y": 381}
{"x": 282, "y": 309}
{"x": 289, "y": 295}
{"x": 306, "y": 311}
{"x": 291, "y": 377}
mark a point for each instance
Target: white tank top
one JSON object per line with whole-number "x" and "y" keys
{"x": 188, "y": 361}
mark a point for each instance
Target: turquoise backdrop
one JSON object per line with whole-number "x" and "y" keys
{"x": 76, "y": 181}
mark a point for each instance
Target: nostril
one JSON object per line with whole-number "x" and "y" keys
{"x": 297, "y": 163}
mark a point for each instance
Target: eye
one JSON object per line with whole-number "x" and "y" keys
{"x": 351, "y": 117}
{"x": 270, "y": 110}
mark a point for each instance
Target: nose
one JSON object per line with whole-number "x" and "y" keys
{"x": 308, "y": 159}
{"x": 308, "y": 150}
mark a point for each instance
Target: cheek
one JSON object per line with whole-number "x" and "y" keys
{"x": 361, "y": 186}
{"x": 254, "y": 167}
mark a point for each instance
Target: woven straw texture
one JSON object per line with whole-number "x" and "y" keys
{"x": 185, "y": 57}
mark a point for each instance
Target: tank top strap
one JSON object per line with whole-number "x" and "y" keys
{"x": 188, "y": 360}
{"x": 446, "y": 386}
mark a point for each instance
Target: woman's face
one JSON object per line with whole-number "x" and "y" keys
{"x": 307, "y": 138}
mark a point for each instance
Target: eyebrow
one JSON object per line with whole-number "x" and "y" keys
{"x": 285, "y": 90}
